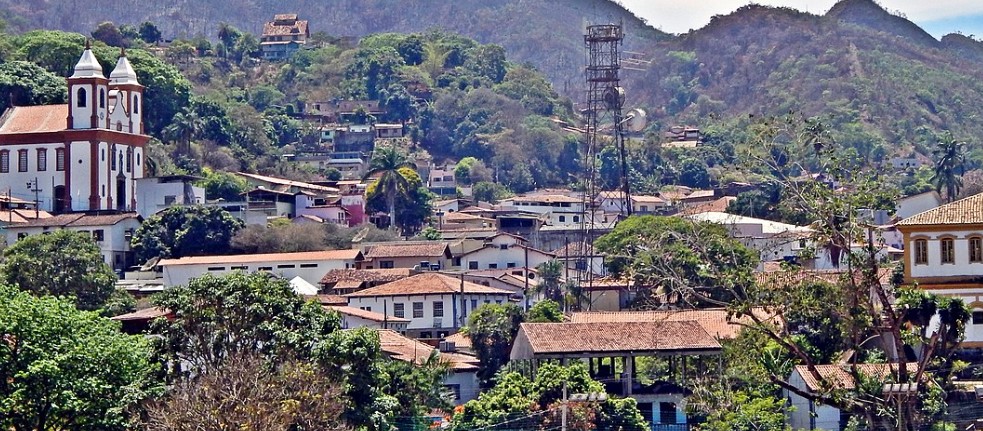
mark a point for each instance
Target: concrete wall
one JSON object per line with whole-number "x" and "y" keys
{"x": 310, "y": 270}
{"x": 428, "y": 321}
{"x": 935, "y": 267}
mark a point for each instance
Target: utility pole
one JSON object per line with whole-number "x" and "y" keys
{"x": 36, "y": 188}
{"x": 563, "y": 414}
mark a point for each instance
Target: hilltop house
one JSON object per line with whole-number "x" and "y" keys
{"x": 283, "y": 36}
{"x": 436, "y": 304}
{"x": 406, "y": 254}
{"x": 84, "y": 155}
{"x": 943, "y": 253}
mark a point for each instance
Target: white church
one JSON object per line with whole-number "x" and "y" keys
{"x": 82, "y": 156}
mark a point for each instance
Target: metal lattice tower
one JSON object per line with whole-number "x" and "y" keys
{"x": 605, "y": 99}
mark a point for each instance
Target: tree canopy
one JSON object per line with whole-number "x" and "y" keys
{"x": 62, "y": 263}
{"x": 63, "y": 369}
{"x": 185, "y": 231}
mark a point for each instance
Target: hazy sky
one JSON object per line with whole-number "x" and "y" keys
{"x": 938, "y": 17}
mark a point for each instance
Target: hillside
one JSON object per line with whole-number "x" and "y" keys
{"x": 547, "y": 33}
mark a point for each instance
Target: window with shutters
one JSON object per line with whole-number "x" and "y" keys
{"x": 948, "y": 250}
{"x": 42, "y": 159}
{"x": 4, "y": 161}
{"x": 921, "y": 252}
{"x": 21, "y": 160}
{"x": 59, "y": 159}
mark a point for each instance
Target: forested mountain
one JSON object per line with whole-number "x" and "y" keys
{"x": 547, "y": 33}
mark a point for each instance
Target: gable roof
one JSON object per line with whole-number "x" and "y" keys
{"x": 427, "y": 284}
{"x": 406, "y": 349}
{"x": 348, "y": 275}
{"x": 715, "y": 321}
{"x": 967, "y": 210}
{"x": 285, "y": 25}
{"x": 78, "y": 220}
{"x": 838, "y": 376}
{"x": 365, "y": 314}
{"x": 34, "y": 119}
{"x": 407, "y": 249}
{"x": 264, "y": 257}
{"x": 585, "y": 339}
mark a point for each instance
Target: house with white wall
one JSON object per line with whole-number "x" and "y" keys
{"x": 158, "y": 193}
{"x": 309, "y": 265}
{"x": 943, "y": 253}
{"x": 461, "y": 380}
{"x": 111, "y": 232}
{"x": 808, "y": 414}
{"x": 405, "y": 254}
{"x": 352, "y": 318}
{"x": 558, "y": 209}
{"x": 436, "y": 304}
{"x": 919, "y": 203}
{"x": 502, "y": 251}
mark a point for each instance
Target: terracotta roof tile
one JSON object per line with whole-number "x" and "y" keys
{"x": 359, "y": 276}
{"x": 324, "y": 299}
{"x": 406, "y": 249}
{"x": 265, "y": 257}
{"x": 546, "y": 198}
{"x": 365, "y": 314}
{"x": 839, "y": 377}
{"x": 964, "y": 211}
{"x": 718, "y": 205}
{"x": 35, "y": 119}
{"x": 460, "y": 340}
{"x": 145, "y": 314}
{"x": 78, "y": 219}
{"x": 717, "y": 322}
{"x": 639, "y": 337}
{"x": 409, "y": 350}
{"x": 427, "y": 284}
{"x": 272, "y": 28}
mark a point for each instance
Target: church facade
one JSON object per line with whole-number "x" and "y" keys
{"x": 81, "y": 156}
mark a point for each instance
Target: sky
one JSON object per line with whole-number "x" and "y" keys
{"x": 938, "y": 17}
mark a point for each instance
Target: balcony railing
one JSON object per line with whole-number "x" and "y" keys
{"x": 670, "y": 427}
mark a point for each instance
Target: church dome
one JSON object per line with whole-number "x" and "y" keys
{"x": 88, "y": 66}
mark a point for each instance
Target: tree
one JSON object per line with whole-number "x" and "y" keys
{"x": 550, "y": 273}
{"x": 245, "y": 392}
{"x": 184, "y": 127}
{"x": 386, "y": 163}
{"x": 753, "y": 203}
{"x": 950, "y": 160}
{"x": 693, "y": 173}
{"x": 222, "y": 185}
{"x": 486, "y": 191}
{"x": 517, "y": 402}
{"x": 545, "y": 311}
{"x": 24, "y": 84}
{"x": 149, "y": 33}
{"x": 66, "y": 369}
{"x": 492, "y": 328}
{"x": 107, "y": 33}
{"x": 217, "y": 318}
{"x": 684, "y": 262}
{"x": 185, "y": 231}
{"x": 62, "y": 263}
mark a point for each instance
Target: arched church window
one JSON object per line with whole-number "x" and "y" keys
{"x": 80, "y": 98}
{"x": 102, "y": 98}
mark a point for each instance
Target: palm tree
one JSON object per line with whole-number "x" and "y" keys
{"x": 950, "y": 159}
{"x": 387, "y": 161}
{"x": 549, "y": 280}
{"x": 183, "y": 128}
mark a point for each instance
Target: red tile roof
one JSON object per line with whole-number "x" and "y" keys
{"x": 406, "y": 249}
{"x": 265, "y": 257}
{"x": 716, "y": 322}
{"x": 145, "y": 314}
{"x": 35, "y": 119}
{"x": 355, "y": 277}
{"x": 964, "y": 211}
{"x": 409, "y": 350}
{"x": 605, "y": 337}
{"x": 365, "y": 314}
{"x": 839, "y": 377}
{"x": 79, "y": 219}
{"x": 427, "y": 284}
{"x": 295, "y": 26}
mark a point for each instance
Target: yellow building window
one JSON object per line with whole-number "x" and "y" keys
{"x": 948, "y": 250}
{"x": 976, "y": 249}
{"x": 921, "y": 252}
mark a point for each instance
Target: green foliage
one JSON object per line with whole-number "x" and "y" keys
{"x": 545, "y": 311}
{"x": 748, "y": 412}
{"x": 492, "y": 328}
{"x": 549, "y": 284}
{"x": 223, "y": 185}
{"x": 699, "y": 262}
{"x": 62, "y": 263}
{"x": 185, "y": 231}
{"x": 399, "y": 190}
{"x": 515, "y": 400}
{"x": 24, "y": 84}
{"x": 220, "y": 317}
{"x": 61, "y": 368}
{"x": 120, "y": 302}
{"x": 486, "y": 191}
{"x": 149, "y": 32}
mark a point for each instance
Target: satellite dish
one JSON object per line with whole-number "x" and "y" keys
{"x": 636, "y": 120}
